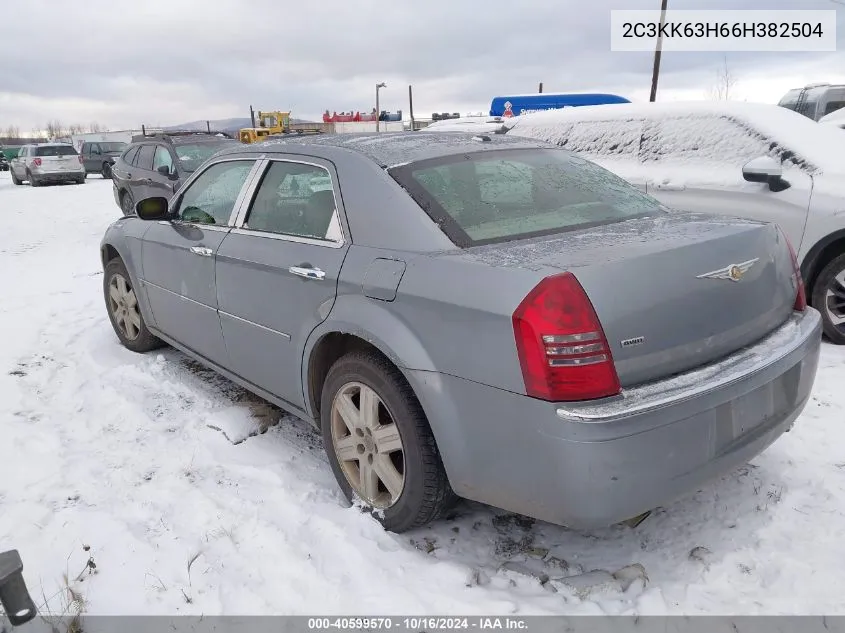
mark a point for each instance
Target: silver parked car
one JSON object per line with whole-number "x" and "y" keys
{"x": 44, "y": 163}
{"x": 752, "y": 160}
{"x": 487, "y": 317}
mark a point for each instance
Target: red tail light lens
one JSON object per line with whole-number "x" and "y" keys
{"x": 801, "y": 296}
{"x": 36, "y": 162}
{"x": 561, "y": 345}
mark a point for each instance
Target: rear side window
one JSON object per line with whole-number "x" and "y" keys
{"x": 502, "y": 195}
{"x": 616, "y": 139}
{"x": 130, "y": 156}
{"x": 145, "y": 157}
{"x": 833, "y": 106}
{"x": 56, "y": 150}
{"x": 713, "y": 139}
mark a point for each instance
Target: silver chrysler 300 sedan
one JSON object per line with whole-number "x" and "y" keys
{"x": 485, "y": 317}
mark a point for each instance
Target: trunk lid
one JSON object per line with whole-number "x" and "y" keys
{"x": 662, "y": 288}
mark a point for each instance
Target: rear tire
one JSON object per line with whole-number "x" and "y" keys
{"x": 15, "y": 179}
{"x": 81, "y": 181}
{"x": 404, "y": 454}
{"x": 829, "y": 299}
{"x": 127, "y": 203}
{"x": 32, "y": 181}
{"x": 124, "y": 311}
{"x": 106, "y": 171}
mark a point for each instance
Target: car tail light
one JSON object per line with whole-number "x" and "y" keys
{"x": 801, "y": 296}
{"x": 36, "y": 162}
{"x": 561, "y": 345}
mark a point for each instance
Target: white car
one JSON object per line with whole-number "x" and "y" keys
{"x": 43, "y": 163}
{"x": 837, "y": 118}
{"x": 756, "y": 161}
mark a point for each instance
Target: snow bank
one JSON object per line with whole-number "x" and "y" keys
{"x": 745, "y": 129}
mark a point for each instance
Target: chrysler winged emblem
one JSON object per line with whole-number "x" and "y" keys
{"x": 733, "y": 272}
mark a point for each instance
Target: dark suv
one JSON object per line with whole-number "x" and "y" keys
{"x": 157, "y": 164}
{"x": 99, "y": 156}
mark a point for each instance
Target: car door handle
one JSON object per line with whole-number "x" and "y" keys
{"x": 308, "y": 273}
{"x": 201, "y": 250}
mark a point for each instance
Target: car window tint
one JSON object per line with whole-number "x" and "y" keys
{"x": 56, "y": 150}
{"x": 501, "y": 195}
{"x": 833, "y": 106}
{"x": 712, "y": 139}
{"x": 212, "y": 196}
{"x": 295, "y": 199}
{"x": 162, "y": 158}
{"x": 129, "y": 157}
{"x": 612, "y": 139}
{"x": 145, "y": 157}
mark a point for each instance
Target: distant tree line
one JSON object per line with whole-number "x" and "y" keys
{"x": 52, "y": 129}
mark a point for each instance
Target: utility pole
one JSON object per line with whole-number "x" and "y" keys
{"x": 541, "y": 88}
{"x": 658, "y": 52}
{"x": 411, "y": 106}
{"x": 378, "y": 109}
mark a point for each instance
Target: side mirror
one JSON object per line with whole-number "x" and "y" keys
{"x": 14, "y": 596}
{"x": 164, "y": 170}
{"x": 152, "y": 209}
{"x": 765, "y": 169}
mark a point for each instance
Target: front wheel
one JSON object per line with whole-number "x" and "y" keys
{"x": 379, "y": 443}
{"x": 829, "y": 299}
{"x": 15, "y": 179}
{"x": 127, "y": 204}
{"x": 124, "y": 311}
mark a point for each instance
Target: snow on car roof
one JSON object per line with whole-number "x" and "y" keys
{"x": 790, "y": 130}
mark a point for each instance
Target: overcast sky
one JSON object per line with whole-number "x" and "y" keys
{"x": 127, "y": 62}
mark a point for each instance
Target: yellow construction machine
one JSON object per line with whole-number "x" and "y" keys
{"x": 269, "y": 123}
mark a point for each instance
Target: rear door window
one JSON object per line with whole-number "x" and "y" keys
{"x": 145, "y": 157}
{"x": 130, "y": 156}
{"x": 295, "y": 199}
{"x": 501, "y": 195}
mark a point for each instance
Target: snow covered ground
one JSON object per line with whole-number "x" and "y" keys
{"x": 151, "y": 467}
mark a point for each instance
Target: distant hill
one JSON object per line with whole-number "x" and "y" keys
{"x": 230, "y": 126}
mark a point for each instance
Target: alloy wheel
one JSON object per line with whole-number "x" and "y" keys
{"x": 123, "y": 305}
{"x": 368, "y": 446}
{"x": 834, "y": 302}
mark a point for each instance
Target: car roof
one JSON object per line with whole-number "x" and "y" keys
{"x": 390, "y": 149}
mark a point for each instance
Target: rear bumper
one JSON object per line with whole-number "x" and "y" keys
{"x": 70, "y": 174}
{"x": 593, "y": 465}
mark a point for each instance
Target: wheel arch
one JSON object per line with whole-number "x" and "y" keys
{"x": 822, "y": 253}
{"x": 340, "y": 334}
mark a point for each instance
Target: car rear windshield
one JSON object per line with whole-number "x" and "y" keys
{"x": 55, "y": 150}
{"x": 112, "y": 147}
{"x": 192, "y": 155}
{"x": 502, "y": 195}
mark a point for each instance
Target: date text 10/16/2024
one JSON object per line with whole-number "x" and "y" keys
{"x": 418, "y": 624}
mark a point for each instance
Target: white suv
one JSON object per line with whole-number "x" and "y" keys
{"x": 749, "y": 160}
{"x": 47, "y": 162}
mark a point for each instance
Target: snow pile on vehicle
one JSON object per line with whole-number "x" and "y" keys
{"x": 837, "y": 118}
{"x": 774, "y": 130}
